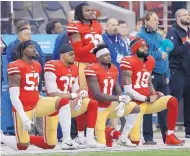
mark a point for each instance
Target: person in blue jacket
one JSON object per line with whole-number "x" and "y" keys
{"x": 160, "y": 74}
{"x": 24, "y": 33}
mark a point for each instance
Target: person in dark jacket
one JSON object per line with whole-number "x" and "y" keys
{"x": 179, "y": 62}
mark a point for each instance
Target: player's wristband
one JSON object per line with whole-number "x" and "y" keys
{"x": 148, "y": 98}
{"x": 74, "y": 95}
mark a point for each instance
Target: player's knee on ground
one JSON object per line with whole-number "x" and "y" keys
{"x": 22, "y": 146}
{"x": 136, "y": 109}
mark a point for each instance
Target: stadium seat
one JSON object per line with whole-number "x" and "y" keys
{"x": 52, "y": 6}
{"x": 35, "y": 23}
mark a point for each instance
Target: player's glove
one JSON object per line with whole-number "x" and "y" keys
{"x": 120, "y": 109}
{"x": 27, "y": 125}
{"x": 124, "y": 98}
{"x": 82, "y": 93}
{"x": 79, "y": 103}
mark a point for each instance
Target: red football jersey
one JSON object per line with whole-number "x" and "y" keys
{"x": 106, "y": 78}
{"x": 65, "y": 76}
{"x": 141, "y": 72}
{"x": 88, "y": 33}
{"x": 29, "y": 94}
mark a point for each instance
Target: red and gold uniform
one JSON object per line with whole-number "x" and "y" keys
{"x": 83, "y": 49}
{"x": 32, "y": 103}
{"x": 141, "y": 72}
{"x": 66, "y": 78}
{"x": 106, "y": 80}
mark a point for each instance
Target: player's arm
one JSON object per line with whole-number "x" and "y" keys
{"x": 52, "y": 88}
{"x": 152, "y": 90}
{"x": 94, "y": 87}
{"x": 14, "y": 90}
{"x": 117, "y": 89}
{"x": 127, "y": 82}
{"x": 78, "y": 46}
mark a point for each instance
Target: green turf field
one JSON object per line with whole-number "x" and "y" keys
{"x": 178, "y": 152}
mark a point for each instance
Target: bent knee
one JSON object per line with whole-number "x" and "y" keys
{"x": 22, "y": 146}
{"x": 136, "y": 109}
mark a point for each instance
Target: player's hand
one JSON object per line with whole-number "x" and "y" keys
{"x": 153, "y": 98}
{"x": 164, "y": 55}
{"x": 120, "y": 109}
{"x": 82, "y": 93}
{"x": 97, "y": 40}
{"x": 79, "y": 104}
{"x": 124, "y": 98}
{"x": 27, "y": 126}
{"x": 159, "y": 94}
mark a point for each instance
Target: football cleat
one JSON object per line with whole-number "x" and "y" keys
{"x": 92, "y": 143}
{"x": 70, "y": 145}
{"x": 109, "y": 138}
{"x": 80, "y": 140}
{"x": 126, "y": 143}
{"x": 172, "y": 140}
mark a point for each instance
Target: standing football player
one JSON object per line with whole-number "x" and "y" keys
{"x": 23, "y": 76}
{"x": 85, "y": 34}
{"x": 102, "y": 80}
{"x": 61, "y": 79}
{"x": 136, "y": 78}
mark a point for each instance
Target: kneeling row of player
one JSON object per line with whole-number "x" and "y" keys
{"x": 66, "y": 100}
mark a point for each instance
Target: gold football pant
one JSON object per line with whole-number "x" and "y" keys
{"x": 110, "y": 112}
{"x": 148, "y": 108}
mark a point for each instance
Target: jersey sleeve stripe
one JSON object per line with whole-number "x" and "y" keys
{"x": 47, "y": 68}
{"x": 90, "y": 74}
{"x": 12, "y": 68}
{"x": 89, "y": 71}
{"x": 76, "y": 31}
{"x": 69, "y": 27}
{"x": 125, "y": 62}
{"x": 123, "y": 65}
{"x": 14, "y": 72}
{"x": 49, "y": 65}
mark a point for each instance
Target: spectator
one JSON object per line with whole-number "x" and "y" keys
{"x": 123, "y": 31}
{"x": 179, "y": 63}
{"x": 24, "y": 34}
{"x": 138, "y": 27}
{"x": 54, "y": 27}
{"x": 160, "y": 74}
{"x": 62, "y": 38}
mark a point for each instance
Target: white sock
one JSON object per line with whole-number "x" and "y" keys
{"x": 170, "y": 132}
{"x": 65, "y": 121}
{"x": 130, "y": 122}
{"x": 89, "y": 133}
{"x": 9, "y": 141}
{"x": 81, "y": 133}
